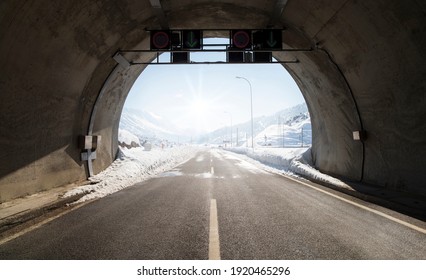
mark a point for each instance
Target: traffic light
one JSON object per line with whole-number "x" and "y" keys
{"x": 192, "y": 39}
{"x": 160, "y": 40}
{"x": 268, "y": 39}
{"x": 241, "y": 39}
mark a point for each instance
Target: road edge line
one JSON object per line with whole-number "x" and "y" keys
{"x": 401, "y": 222}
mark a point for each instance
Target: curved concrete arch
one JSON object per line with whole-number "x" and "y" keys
{"x": 366, "y": 71}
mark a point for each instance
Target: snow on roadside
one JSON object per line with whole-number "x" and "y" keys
{"x": 136, "y": 165}
{"x": 291, "y": 161}
{"x": 279, "y": 158}
{"x": 302, "y": 165}
{"x": 133, "y": 166}
{"x": 127, "y": 138}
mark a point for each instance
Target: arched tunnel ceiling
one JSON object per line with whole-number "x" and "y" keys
{"x": 365, "y": 72}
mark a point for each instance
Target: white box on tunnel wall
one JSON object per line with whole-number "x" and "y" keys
{"x": 85, "y": 142}
{"x": 359, "y": 135}
{"x": 89, "y": 142}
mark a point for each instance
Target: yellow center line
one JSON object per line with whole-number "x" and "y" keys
{"x": 214, "y": 245}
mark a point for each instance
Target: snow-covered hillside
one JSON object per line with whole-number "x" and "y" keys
{"x": 147, "y": 126}
{"x": 287, "y": 128}
{"x": 290, "y": 127}
{"x": 295, "y": 132}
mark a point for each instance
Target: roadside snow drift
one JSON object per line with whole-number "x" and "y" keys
{"x": 296, "y": 161}
{"x": 136, "y": 165}
{"x": 133, "y": 166}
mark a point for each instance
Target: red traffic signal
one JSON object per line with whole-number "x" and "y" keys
{"x": 160, "y": 40}
{"x": 241, "y": 39}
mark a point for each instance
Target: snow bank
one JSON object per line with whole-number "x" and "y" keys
{"x": 136, "y": 165}
{"x": 279, "y": 158}
{"x": 133, "y": 166}
{"x": 294, "y": 160}
{"x": 302, "y": 165}
{"x": 128, "y": 139}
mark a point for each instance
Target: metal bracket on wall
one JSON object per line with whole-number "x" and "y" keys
{"x": 88, "y": 144}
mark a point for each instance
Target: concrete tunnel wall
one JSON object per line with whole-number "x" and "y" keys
{"x": 366, "y": 71}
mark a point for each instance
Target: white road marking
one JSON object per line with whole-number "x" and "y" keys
{"x": 212, "y": 170}
{"x": 214, "y": 245}
{"x": 204, "y": 175}
{"x": 401, "y": 222}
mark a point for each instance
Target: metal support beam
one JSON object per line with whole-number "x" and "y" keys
{"x": 216, "y": 62}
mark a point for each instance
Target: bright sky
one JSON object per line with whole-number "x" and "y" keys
{"x": 203, "y": 97}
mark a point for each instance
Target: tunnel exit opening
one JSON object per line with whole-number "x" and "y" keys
{"x": 312, "y": 72}
{"x": 204, "y": 103}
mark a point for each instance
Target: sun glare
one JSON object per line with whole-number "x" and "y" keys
{"x": 200, "y": 107}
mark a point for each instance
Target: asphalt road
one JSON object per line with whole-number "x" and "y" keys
{"x": 259, "y": 215}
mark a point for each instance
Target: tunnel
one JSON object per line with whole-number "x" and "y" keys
{"x": 361, "y": 68}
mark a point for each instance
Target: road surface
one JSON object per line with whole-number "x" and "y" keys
{"x": 217, "y": 205}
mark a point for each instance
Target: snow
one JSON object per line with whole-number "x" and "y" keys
{"x": 287, "y": 127}
{"x": 279, "y": 158}
{"x": 241, "y": 163}
{"x": 133, "y": 166}
{"x": 127, "y": 137}
{"x": 290, "y": 128}
{"x": 286, "y": 135}
{"x": 289, "y": 161}
{"x": 155, "y": 116}
{"x": 136, "y": 165}
{"x": 147, "y": 125}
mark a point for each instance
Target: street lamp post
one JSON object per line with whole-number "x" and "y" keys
{"x": 251, "y": 105}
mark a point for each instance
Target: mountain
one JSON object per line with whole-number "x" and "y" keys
{"x": 147, "y": 126}
{"x": 296, "y": 131}
{"x": 287, "y": 128}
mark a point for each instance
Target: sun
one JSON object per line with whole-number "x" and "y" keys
{"x": 199, "y": 107}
